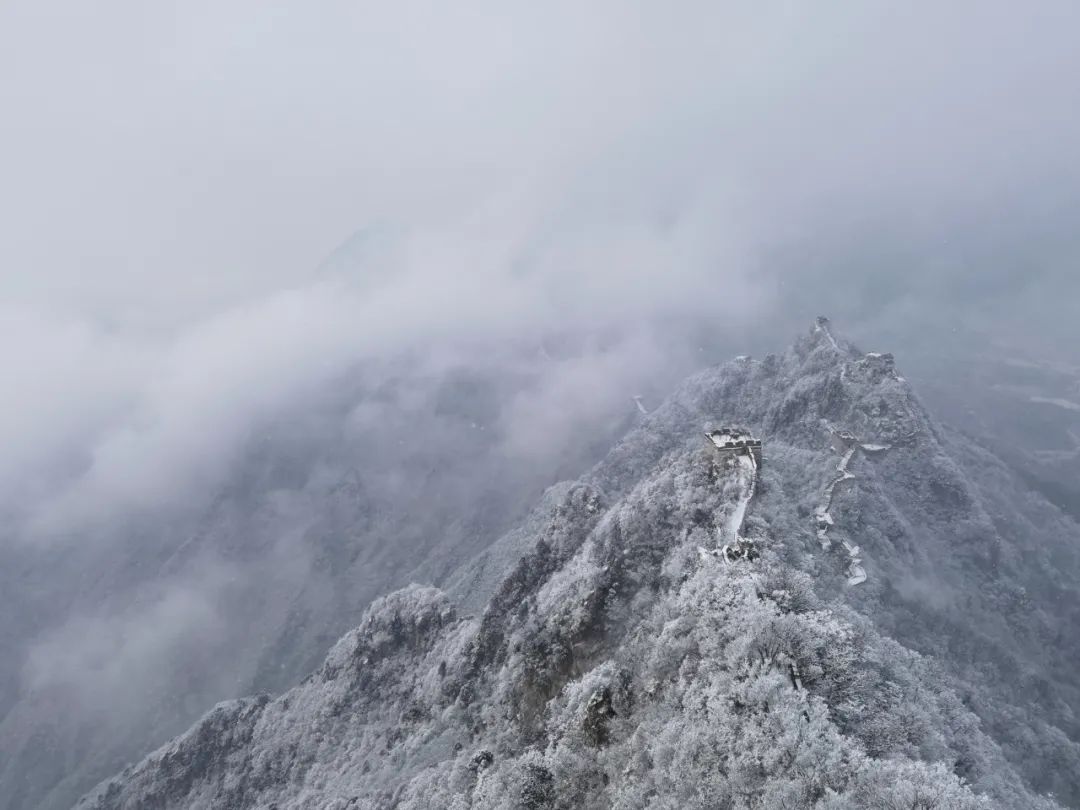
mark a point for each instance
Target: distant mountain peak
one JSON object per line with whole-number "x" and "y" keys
{"x": 683, "y": 627}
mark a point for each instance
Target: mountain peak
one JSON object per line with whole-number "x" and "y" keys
{"x": 688, "y": 625}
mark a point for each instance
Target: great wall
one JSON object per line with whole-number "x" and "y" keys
{"x": 738, "y": 444}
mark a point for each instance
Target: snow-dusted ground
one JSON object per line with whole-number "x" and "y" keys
{"x": 730, "y": 533}
{"x": 823, "y": 515}
{"x": 723, "y": 440}
{"x": 856, "y": 573}
{"x": 747, "y": 468}
{"x": 823, "y": 326}
{"x": 822, "y": 512}
{"x": 605, "y": 668}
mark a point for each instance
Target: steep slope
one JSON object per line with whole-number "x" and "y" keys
{"x": 120, "y": 636}
{"x": 1028, "y": 408}
{"x": 622, "y": 663}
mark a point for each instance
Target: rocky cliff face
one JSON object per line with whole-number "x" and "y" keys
{"x": 613, "y": 659}
{"x": 118, "y": 637}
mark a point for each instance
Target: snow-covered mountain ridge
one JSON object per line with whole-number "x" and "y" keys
{"x": 615, "y": 665}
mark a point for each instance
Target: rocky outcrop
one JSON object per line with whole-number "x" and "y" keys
{"x": 615, "y": 666}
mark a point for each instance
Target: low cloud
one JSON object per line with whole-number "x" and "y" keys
{"x": 552, "y": 207}
{"x": 168, "y": 423}
{"x": 134, "y": 655}
{"x": 522, "y": 172}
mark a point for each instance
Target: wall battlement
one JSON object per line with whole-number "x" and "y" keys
{"x": 735, "y": 441}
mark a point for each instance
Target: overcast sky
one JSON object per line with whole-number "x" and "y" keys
{"x": 213, "y": 210}
{"x": 175, "y": 174}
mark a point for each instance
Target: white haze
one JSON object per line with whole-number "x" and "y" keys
{"x": 176, "y": 179}
{"x": 174, "y": 174}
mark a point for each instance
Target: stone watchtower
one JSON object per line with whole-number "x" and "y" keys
{"x": 735, "y": 441}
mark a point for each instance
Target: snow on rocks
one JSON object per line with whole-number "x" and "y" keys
{"x": 874, "y": 367}
{"x": 856, "y": 573}
{"x": 747, "y": 473}
{"x": 823, "y": 515}
{"x": 846, "y": 443}
{"x": 822, "y": 325}
{"x": 740, "y": 453}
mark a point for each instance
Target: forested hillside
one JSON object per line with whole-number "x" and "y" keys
{"x": 622, "y": 657}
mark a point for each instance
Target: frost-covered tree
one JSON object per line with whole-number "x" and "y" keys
{"x": 621, "y": 664}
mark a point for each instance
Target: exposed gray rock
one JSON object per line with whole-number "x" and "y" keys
{"x": 615, "y": 666}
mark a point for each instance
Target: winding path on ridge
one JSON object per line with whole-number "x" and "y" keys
{"x": 730, "y": 533}
{"x": 748, "y": 474}
{"x": 823, "y": 514}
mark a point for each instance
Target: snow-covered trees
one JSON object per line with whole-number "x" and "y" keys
{"x": 615, "y": 667}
